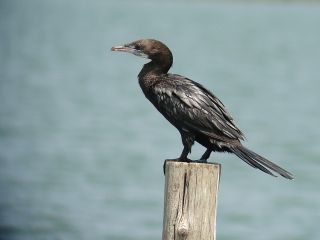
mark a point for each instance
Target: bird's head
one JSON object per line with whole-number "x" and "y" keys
{"x": 147, "y": 48}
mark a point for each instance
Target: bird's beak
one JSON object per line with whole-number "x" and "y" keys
{"x": 130, "y": 49}
{"x": 122, "y": 49}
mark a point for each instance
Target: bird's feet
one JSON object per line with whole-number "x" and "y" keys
{"x": 201, "y": 160}
{"x": 187, "y": 160}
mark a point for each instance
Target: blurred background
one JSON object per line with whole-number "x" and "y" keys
{"x": 81, "y": 149}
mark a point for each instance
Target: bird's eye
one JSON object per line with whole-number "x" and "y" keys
{"x": 138, "y": 47}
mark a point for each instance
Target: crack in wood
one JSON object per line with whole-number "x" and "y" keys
{"x": 184, "y": 189}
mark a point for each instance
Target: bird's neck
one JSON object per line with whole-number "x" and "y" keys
{"x": 150, "y": 74}
{"x": 155, "y": 68}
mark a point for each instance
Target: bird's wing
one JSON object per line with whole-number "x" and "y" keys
{"x": 194, "y": 107}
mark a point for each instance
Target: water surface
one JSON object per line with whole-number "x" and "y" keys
{"x": 81, "y": 150}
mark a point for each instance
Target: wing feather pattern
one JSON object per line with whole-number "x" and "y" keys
{"x": 194, "y": 107}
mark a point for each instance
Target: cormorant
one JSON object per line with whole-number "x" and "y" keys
{"x": 195, "y": 111}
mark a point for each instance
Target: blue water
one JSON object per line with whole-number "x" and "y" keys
{"x": 81, "y": 150}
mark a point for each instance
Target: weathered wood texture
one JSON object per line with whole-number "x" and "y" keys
{"x": 190, "y": 206}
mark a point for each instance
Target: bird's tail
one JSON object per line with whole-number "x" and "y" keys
{"x": 257, "y": 161}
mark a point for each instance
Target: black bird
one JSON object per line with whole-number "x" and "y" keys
{"x": 195, "y": 111}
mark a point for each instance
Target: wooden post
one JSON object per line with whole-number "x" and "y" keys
{"x": 190, "y": 201}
